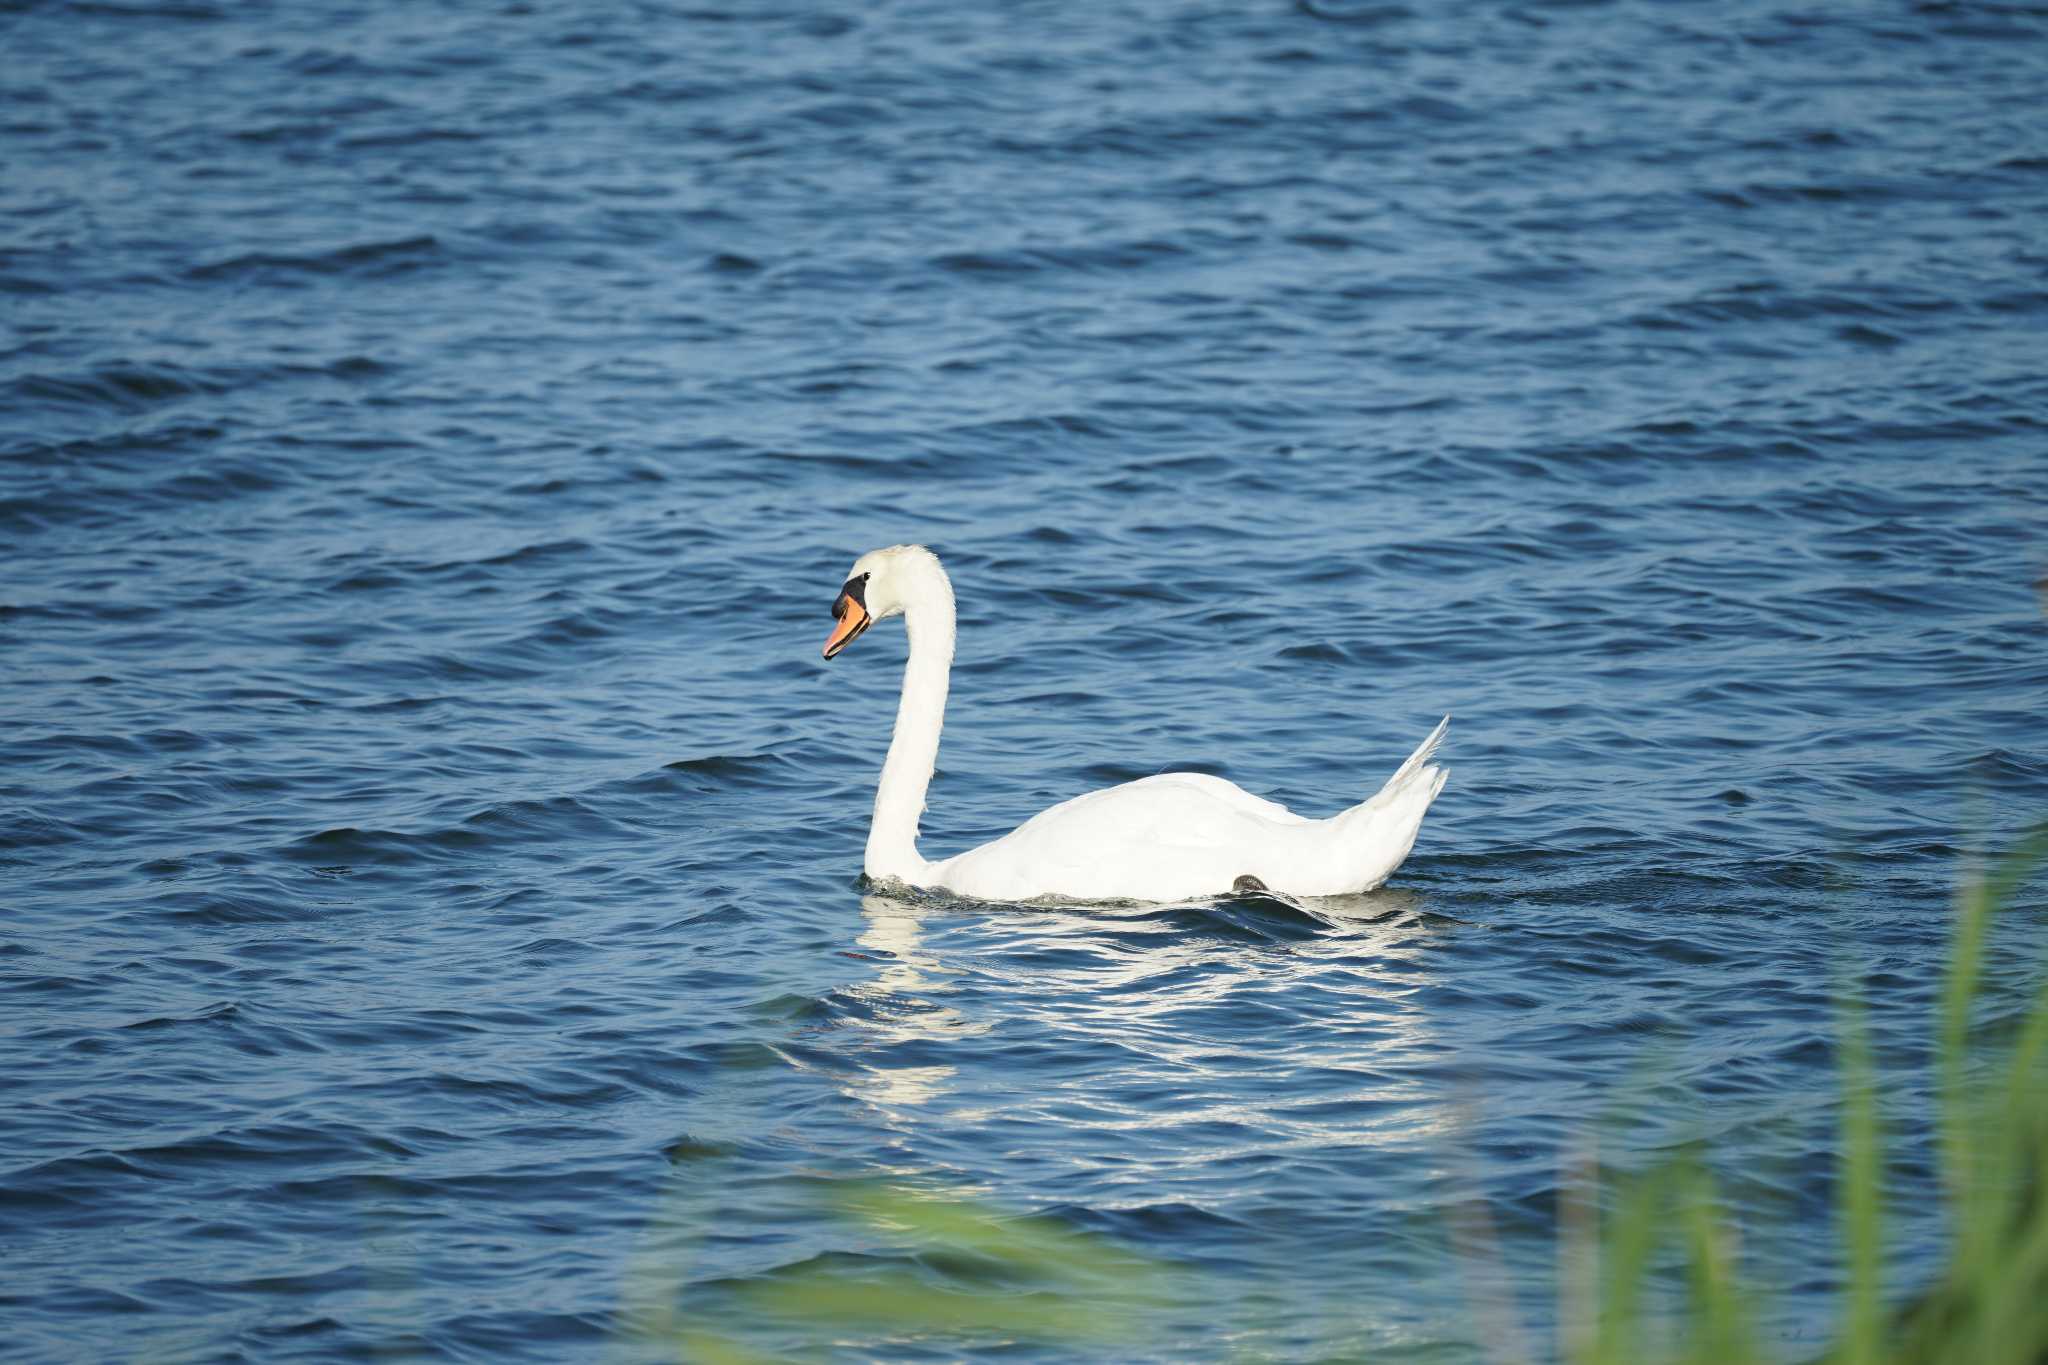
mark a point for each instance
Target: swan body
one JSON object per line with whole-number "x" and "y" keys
{"x": 1176, "y": 836}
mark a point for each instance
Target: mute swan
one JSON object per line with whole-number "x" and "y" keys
{"x": 1172, "y": 837}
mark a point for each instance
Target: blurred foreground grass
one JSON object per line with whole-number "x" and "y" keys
{"x": 948, "y": 1272}
{"x": 1990, "y": 1305}
{"x": 957, "y": 1278}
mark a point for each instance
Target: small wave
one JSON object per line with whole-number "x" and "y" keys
{"x": 553, "y": 817}
{"x": 219, "y": 1010}
{"x": 1366, "y": 15}
{"x": 182, "y": 10}
{"x": 345, "y": 845}
{"x": 410, "y": 137}
{"x": 536, "y": 553}
{"x": 1765, "y": 301}
{"x": 794, "y": 1008}
{"x": 368, "y": 260}
{"x": 690, "y": 1148}
{"x": 1112, "y": 258}
{"x": 137, "y": 447}
{"x": 717, "y": 772}
{"x": 26, "y": 286}
{"x": 120, "y": 387}
{"x": 1239, "y": 919}
{"x": 722, "y": 915}
{"x": 231, "y": 907}
{"x": 27, "y": 829}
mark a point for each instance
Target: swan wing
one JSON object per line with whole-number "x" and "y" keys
{"x": 1159, "y": 838}
{"x": 1222, "y": 792}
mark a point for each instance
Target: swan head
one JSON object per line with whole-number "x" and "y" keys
{"x": 878, "y": 586}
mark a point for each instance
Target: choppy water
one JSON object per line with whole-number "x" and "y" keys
{"x": 431, "y": 437}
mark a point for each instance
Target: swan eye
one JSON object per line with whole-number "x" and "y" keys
{"x": 855, "y": 591}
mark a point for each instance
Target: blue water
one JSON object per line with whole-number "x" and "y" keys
{"x": 431, "y": 439}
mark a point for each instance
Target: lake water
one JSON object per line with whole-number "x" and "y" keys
{"x": 431, "y": 439}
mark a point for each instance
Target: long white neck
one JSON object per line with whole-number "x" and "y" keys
{"x": 907, "y": 772}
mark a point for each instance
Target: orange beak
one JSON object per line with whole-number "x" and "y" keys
{"x": 853, "y": 619}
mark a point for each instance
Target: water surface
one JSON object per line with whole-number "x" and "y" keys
{"x": 431, "y": 438}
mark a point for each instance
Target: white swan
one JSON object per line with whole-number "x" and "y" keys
{"x": 1176, "y": 836}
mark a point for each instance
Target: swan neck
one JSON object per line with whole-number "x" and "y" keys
{"x": 928, "y": 620}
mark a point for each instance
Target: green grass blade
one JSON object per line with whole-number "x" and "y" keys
{"x": 1860, "y": 1196}
{"x": 1633, "y": 1234}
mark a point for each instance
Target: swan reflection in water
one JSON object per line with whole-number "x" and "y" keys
{"x": 1170, "y": 997}
{"x": 898, "y": 1008}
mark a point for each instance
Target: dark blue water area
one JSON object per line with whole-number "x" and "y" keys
{"x": 431, "y": 439}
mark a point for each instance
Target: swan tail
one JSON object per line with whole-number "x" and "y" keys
{"x": 1424, "y": 752}
{"x": 1377, "y": 834}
